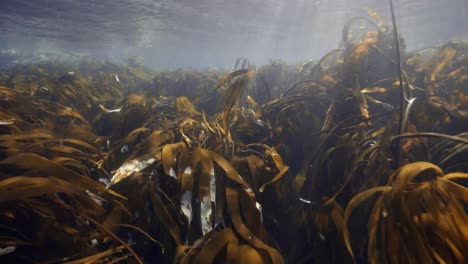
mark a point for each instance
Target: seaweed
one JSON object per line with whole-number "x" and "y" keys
{"x": 116, "y": 163}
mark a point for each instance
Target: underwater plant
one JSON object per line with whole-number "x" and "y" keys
{"x": 108, "y": 163}
{"x": 419, "y": 217}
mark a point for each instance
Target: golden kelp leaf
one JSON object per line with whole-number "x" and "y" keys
{"x": 231, "y": 97}
{"x": 167, "y": 220}
{"x": 22, "y": 187}
{"x": 232, "y": 75}
{"x": 338, "y": 217}
{"x": 329, "y": 117}
{"x": 33, "y": 135}
{"x": 187, "y": 124}
{"x": 456, "y": 72}
{"x": 373, "y": 226}
{"x": 406, "y": 173}
{"x": 98, "y": 257}
{"x": 103, "y": 108}
{"x": 39, "y": 164}
{"x": 361, "y": 98}
{"x": 65, "y": 150}
{"x": 232, "y": 252}
{"x": 253, "y": 162}
{"x": 8, "y": 92}
{"x": 207, "y": 124}
{"x": 378, "y": 132}
{"x": 360, "y": 50}
{"x": 231, "y": 173}
{"x": 132, "y": 136}
{"x": 134, "y": 99}
{"x": 374, "y": 90}
{"x": 252, "y": 215}
{"x": 70, "y": 162}
{"x": 232, "y": 197}
{"x": 184, "y": 170}
{"x": 207, "y": 189}
{"x": 455, "y": 175}
{"x": 169, "y": 155}
{"x": 199, "y": 164}
{"x": 79, "y": 133}
{"x": 371, "y": 36}
{"x": 71, "y": 113}
{"x": 251, "y": 102}
{"x": 84, "y": 145}
{"x": 457, "y": 190}
{"x": 275, "y": 179}
{"x": 156, "y": 139}
{"x": 233, "y": 92}
{"x": 328, "y": 78}
{"x": 300, "y": 178}
{"x": 414, "y": 210}
{"x": 353, "y": 204}
{"x": 83, "y": 149}
{"x": 376, "y": 17}
{"x": 330, "y": 210}
{"x": 184, "y": 106}
{"x": 248, "y": 254}
{"x": 151, "y": 145}
{"x": 115, "y": 237}
{"x": 214, "y": 246}
{"x": 275, "y": 157}
{"x": 411, "y": 142}
{"x": 7, "y": 122}
{"x": 141, "y": 231}
{"x": 447, "y": 55}
{"x": 375, "y": 101}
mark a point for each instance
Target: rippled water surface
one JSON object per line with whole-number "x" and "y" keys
{"x": 203, "y": 32}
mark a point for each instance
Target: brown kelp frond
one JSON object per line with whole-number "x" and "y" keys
{"x": 189, "y": 151}
{"x": 241, "y": 245}
{"x": 233, "y": 94}
{"x": 48, "y": 179}
{"x": 423, "y": 209}
{"x": 330, "y": 211}
{"x": 102, "y": 163}
{"x": 52, "y": 199}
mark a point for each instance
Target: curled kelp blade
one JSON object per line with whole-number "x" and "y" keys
{"x": 234, "y": 211}
{"x": 280, "y": 166}
{"x": 415, "y": 205}
{"x": 234, "y": 91}
{"x": 169, "y": 155}
{"x": 353, "y": 204}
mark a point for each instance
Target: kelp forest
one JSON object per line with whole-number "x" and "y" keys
{"x": 359, "y": 157}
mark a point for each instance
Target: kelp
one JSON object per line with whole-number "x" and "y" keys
{"x": 103, "y": 163}
{"x": 419, "y": 217}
